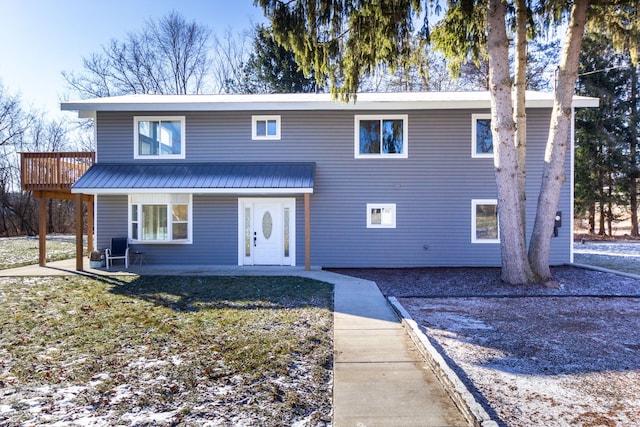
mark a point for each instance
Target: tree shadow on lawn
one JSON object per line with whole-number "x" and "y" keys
{"x": 539, "y": 336}
{"x": 194, "y": 293}
{"x": 587, "y": 344}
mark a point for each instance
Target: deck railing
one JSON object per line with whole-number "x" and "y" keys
{"x": 53, "y": 171}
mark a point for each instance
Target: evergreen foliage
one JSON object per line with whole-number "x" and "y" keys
{"x": 273, "y": 69}
{"x": 342, "y": 41}
{"x": 604, "y": 165}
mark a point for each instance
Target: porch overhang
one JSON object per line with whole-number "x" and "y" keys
{"x": 197, "y": 178}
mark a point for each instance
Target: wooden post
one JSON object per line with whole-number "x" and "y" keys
{"x": 42, "y": 232}
{"x": 307, "y": 232}
{"x": 90, "y": 202}
{"x": 79, "y": 260}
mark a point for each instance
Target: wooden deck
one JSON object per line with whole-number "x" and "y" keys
{"x": 50, "y": 175}
{"x": 53, "y": 171}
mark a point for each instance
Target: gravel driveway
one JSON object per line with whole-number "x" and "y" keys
{"x": 533, "y": 356}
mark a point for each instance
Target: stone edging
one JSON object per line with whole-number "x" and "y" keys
{"x": 470, "y": 408}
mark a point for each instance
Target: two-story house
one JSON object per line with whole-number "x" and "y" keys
{"x": 393, "y": 180}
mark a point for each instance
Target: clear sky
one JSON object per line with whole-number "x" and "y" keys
{"x": 41, "y": 38}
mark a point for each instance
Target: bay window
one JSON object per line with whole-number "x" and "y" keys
{"x": 160, "y": 218}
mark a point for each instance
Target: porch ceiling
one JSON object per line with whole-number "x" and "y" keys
{"x": 211, "y": 178}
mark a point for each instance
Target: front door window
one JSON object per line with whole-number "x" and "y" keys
{"x": 267, "y": 225}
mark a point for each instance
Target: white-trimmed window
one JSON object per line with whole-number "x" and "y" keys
{"x": 381, "y": 215}
{"x": 484, "y": 221}
{"x": 265, "y": 127}
{"x": 155, "y": 137}
{"x": 381, "y": 136}
{"x": 481, "y": 137}
{"x": 160, "y": 218}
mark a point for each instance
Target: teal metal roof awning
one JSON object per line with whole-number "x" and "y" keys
{"x": 212, "y": 178}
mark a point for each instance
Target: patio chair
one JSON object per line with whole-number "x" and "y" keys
{"x": 119, "y": 250}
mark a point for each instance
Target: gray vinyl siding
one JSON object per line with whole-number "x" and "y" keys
{"x": 215, "y": 230}
{"x": 432, "y": 188}
{"x": 111, "y": 219}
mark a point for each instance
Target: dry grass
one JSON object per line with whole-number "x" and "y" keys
{"x": 165, "y": 351}
{"x": 19, "y": 251}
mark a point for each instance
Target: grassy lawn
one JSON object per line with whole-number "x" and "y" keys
{"x": 165, "y": 351}
{"x": 19, "y": 251}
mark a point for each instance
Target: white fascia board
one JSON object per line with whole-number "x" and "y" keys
{"x": 239, "y": 191}
{"x": 88, "y": 110}
{"x": 301, "y": 102}
{"x": 585, "y": 102}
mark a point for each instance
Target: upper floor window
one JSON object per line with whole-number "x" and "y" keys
{"x": 484, "y": 221}
{"x": 265, "y": 127}
{"x": 381, "y": 136}
{"x": 159, "y": 137}
{"x": 481, "y": 137}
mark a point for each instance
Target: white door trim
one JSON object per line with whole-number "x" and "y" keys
{"x": 246, "y": 228}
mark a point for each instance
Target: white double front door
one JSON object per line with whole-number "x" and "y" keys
{"x": 266, "y": 231}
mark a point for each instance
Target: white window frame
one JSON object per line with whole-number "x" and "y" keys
{"x": 474, "y": 146}
{"x": 405, "y": 136}
{"x": 474, "y": 203}
{"x": 254, "y": 127}
{"x": 168, "y": 199}
{"x": 138, "y": 119}
{"x": 382, "y": 206}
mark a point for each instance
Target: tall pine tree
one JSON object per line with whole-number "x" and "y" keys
{"x": 606, "y": 157}
{"x": 273, "y": 69}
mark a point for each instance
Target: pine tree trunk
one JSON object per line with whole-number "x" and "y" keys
{"x": 553, "y": 175}
{"x": 633, "y": 207}
{"x": 520, "y": 114}
{"x": 633, "y": 153}
{"x": 610, "y": 218}
{"x": 515, "y": 265}
{"x": 601, "y": 219}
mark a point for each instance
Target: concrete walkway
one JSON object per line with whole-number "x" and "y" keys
{"x": 380, "y": 378}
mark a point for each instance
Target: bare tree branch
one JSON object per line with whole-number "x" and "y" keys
{"x": 168, "y": 56}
